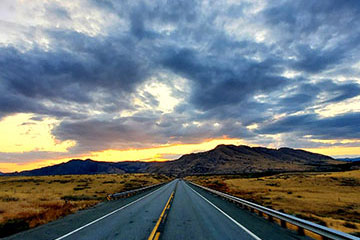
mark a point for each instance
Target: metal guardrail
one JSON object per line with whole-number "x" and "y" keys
{"x": 325, "y": 232}
{"x": 132, "y": 192}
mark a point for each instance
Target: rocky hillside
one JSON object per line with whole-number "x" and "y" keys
{"x": 230, "y": 159}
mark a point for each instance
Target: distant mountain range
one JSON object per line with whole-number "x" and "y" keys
{"x": 88, "y": 166}
{"x": 349, "y": 159}
{"x": 224, "y": 159}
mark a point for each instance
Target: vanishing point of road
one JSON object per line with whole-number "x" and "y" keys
{"x": 176, "y": 210}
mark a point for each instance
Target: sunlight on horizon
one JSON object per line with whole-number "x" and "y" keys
{"x": 143, "y": 154}
{"x": 21, "y": 133}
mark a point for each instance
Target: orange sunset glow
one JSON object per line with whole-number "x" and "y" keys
{"x": 146, "y": 154}
{"x": 25, "y": 135}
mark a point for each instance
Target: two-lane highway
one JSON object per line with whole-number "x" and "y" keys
{"x": 193, "y": 214}
{"x": 197, "y": 214}
{"x": 194, "y": 217}
{"x": 130, "y": 220}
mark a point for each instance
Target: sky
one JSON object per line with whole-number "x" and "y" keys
{"x": 152, "y": 80}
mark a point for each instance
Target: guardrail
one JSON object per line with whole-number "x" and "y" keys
{"x": 131, "y": 192}
{"x": 301, "y": 224}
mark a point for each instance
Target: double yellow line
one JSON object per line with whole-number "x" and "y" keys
{"x": 155, "y": 234}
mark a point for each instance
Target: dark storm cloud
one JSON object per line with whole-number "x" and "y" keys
{"x": 188, "y": 130}
{"x": 79, "y": 67}
{"x": 99, "y": 134}
{"x": 218, "y": 83}
{"x": 12, "y": 102}
{"x": 145, "y": 129}
{"x": 316, "y": 60}
{"x": 307, "y": 94}
{"x": 338, "y": 127}
{"x": 94, "y": 134}
{"x": 309, "y": 16}
{"x": 111, "y": 63}
{"x": 296, "y": 102}
{"x": 302, "y": 23}
{"x": 163, "y": 11}
{"x": 39, "y": 74}
{"x": 340, "y": 92}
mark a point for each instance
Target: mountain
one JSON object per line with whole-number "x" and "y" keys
{"x": 230, "y": 159}
{"x": 224, "y": 159}
{"x": 88, "y": 166}
{"x": 349, "y": 159}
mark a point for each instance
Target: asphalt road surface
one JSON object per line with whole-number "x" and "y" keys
{"x": 193, "y": 214}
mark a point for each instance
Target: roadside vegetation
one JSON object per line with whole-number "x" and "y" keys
{"x": 330, "y": 199}
{"x": 26, "y": 202}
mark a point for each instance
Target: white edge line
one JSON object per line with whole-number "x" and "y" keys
{"x": 96, "y": 220}
{"x": 241, "y": 226}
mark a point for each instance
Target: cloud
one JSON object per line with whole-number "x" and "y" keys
{"x": 339, "y": 127}
{"x": 80, "y": 71}
{"x": 318, "y": 35}
{"x": 317, "y": 95}
{"x": 133, "y": 74}
{"x": 217, "y": 83}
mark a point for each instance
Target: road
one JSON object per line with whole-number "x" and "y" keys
{"x": 193, "y": 214}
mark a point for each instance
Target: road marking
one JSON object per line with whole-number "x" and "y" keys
{"x": 233, "y": 220}
{"x": 155, "y": 234}
{"x": 96, "y": 220}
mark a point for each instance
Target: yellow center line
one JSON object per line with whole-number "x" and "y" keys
{"x": 154, "y": 234}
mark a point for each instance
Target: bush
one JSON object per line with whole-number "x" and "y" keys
{"x": 350, "y": 225}
{"x": 79, "y": 198}
{"x": 13, "y": 226}
{"x": 9, "y": 199}
{"x": 61, "y": 181}
{"x": 80, "y": 188}
{"x": 112, "y": 181}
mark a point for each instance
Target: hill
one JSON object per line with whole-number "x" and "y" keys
{"x": 230, "y": 159}
{"x": 224, "y": 159}
{"x": 88, "y": 166}
{"x": 349, "y": 159}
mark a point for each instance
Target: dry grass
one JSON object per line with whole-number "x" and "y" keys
{"x": 26, "y": 202}
{"x": 330, "y": 199}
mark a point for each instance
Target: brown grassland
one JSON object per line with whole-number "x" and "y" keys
{"x": 26, "y": 202}
{"x": 330, "y": 199}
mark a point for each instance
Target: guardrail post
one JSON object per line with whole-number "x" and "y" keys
{"x": 301, "y": 231}
{"x": 270, "y": 218}
{"x": 282, "y": 223}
